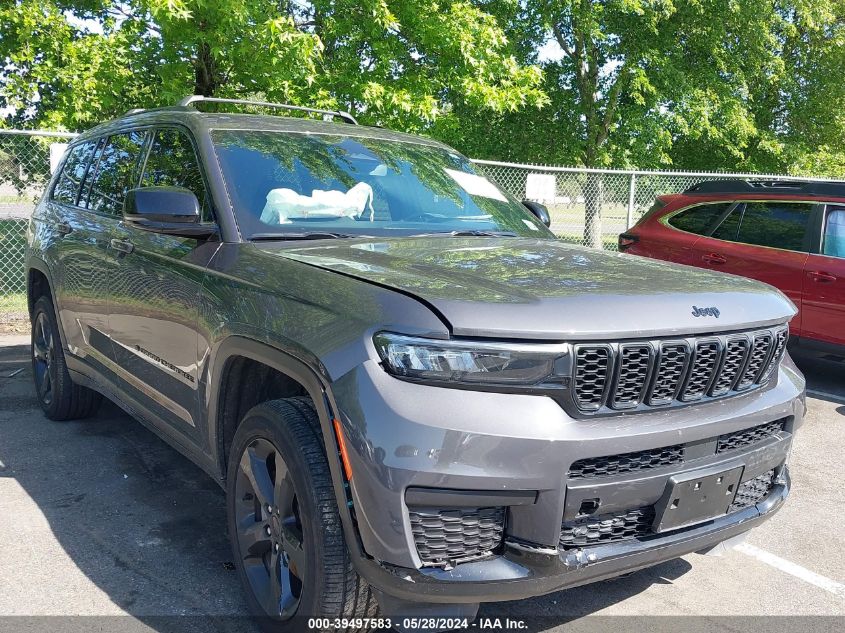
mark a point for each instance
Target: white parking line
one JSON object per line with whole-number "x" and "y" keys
{"x": 791, "y": 568}
{"x": 825, "y": 394}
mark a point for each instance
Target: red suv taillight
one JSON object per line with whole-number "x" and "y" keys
{"x": 627, "y": 240}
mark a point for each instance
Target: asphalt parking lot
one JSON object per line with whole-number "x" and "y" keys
{"x": 102, "y": 518}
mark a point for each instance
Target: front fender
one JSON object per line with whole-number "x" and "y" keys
{"x": 315, "y": 385}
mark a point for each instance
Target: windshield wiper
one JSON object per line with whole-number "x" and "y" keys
{"x": 476, "y": 233}
{"x": 307, "y": 235}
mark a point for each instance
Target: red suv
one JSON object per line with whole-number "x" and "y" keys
{"x": 788, "y": 234}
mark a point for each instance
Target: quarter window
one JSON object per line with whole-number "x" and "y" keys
{"x": 115, "y": 168}
{"x": 172, "y": 162}
{"x": 73, "y": 171}
{"x": 834, "y": 233}
{"x": 698, "y": 219}
{"x": 727, "y": 230}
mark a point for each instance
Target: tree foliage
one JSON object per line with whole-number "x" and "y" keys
{"x": 393, "y": 62}
{"x": 700, "y": 84}
{"x": 694, "y": 84}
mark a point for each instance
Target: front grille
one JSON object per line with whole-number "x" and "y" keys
{"x": 632, "y": 375}
{"x": 747, "y": 437}
{"x": 448, "y": 536}
{"x": 591, "y": 368}
{"x": 626, "y": 462}
{"x": 661, "y": 373}
{"x": 781, "y": 338}
{"x": 704, "y": 365}
{"x": 736, "y": 352}
{"x": 753, "y": 491}
{"x": 756, "y": 361}
{"x": 608, "y": 528}
{"x": 671, "y": 366}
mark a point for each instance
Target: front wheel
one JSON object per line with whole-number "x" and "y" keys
{"x": 284, "y": 525}
{"x": 60, "y": 398}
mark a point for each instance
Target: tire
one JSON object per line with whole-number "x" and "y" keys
{"x": 60, "y": 398}
{"x": 314, "y": 569}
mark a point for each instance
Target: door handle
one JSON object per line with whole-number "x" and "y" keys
{"x": 63, "y": 228}
{"x": 123, "y": 246}
{"x": 822, "y": 277}
{"x": 714, "y": 258}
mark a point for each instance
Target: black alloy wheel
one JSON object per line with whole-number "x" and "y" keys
{"x": 59, "y": 396}
{"x": 286, "y": 532}
{"x": 43, "y": 355}
{"x": 269, "y": 529}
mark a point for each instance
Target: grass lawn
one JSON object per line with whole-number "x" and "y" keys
{"x": 15, "y": 302}
{"x": 14, "y": 317}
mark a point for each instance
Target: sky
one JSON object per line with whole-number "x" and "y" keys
{"x": 550, "y": 51}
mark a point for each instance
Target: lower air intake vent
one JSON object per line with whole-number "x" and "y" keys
{"x": 626, "y": 462}
{"x": 747, "y": 437}
{"x": 450, "y": 536}
{"x": 608, "y": 528}
{"x": 753, "y": 491}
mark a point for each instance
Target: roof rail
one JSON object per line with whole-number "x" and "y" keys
{"x": 190, "y": 100}
{"x": 801, "y": 187}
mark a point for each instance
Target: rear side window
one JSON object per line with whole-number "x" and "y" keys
{"x": 73, "y": 171}
{"x": 775, "y": 224}
{"x": 113, "y": 177}
{"x": 834, "y": 233}
{"x": 172, "y": 162}
{"x": 700, "y": 218}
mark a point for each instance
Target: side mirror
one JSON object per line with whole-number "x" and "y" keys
{"x": 169, "y": 210}
{"x": 539, "y": 210}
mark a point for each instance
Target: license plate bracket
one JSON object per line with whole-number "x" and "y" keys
{"x": 695, "y": 497}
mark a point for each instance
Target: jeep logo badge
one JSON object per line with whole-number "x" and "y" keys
{"x": 700, "y": 312}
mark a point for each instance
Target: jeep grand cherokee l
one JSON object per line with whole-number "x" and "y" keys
{"x": 415, "y": 397}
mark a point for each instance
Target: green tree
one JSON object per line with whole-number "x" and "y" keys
{"x": 705, "y": 84}
{"x": 392, "y": 62}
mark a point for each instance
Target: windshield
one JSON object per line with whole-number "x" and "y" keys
{"x": 285, "y": 184}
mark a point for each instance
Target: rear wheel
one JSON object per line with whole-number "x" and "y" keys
{"x": 60, "y": 398}
{"x": 284, "y": 524}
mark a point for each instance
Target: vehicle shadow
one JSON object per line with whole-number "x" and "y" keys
{"x": 549, "y": 611}
{"x": 127, "y": 525}
{"x": 109, "y": 520}
{"x": 825, "y": 375}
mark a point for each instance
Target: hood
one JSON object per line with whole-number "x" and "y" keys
{"x": 547, "y": 289}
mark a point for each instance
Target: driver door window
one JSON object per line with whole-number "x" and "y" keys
{"x": 113, "y": 175}
{"x": 172, "y": 162}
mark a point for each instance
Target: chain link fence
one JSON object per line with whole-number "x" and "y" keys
{"x": 592, "y": 207}
{"x": 587, "y": 206}
{"x": 25, "y": 159}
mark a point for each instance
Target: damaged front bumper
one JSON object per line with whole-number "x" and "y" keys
{"x": 523, "y": 571}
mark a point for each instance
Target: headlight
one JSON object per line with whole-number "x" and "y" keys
{"x": 474, "y": 363}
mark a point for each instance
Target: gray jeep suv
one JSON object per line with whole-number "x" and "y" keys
{"x": 415, "y": 397}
